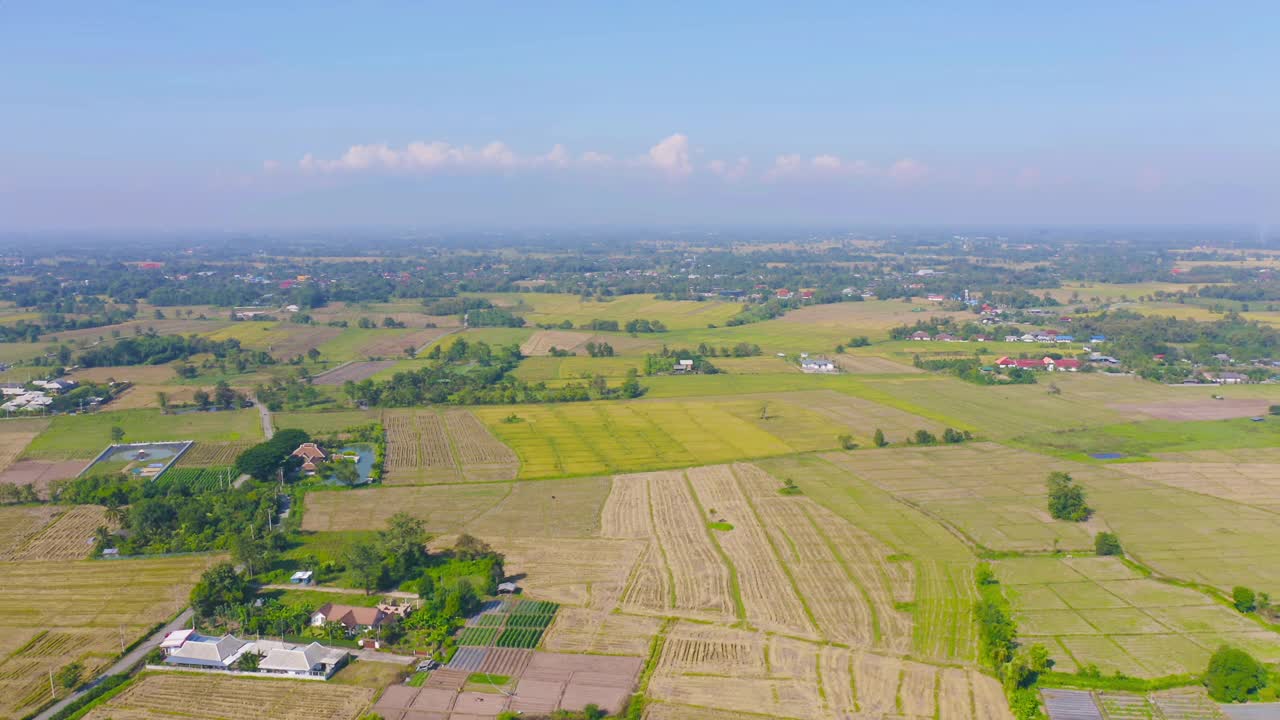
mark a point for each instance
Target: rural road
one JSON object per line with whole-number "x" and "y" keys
{"x": 133, "y": 657}
{"x": 343, "y": 591}
{"x": 267, "y": 429}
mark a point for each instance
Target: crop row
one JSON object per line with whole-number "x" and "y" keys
{"x": 195, "y": 479}
{"x": 477, "y": 636}
{"x": 519, "y": 638}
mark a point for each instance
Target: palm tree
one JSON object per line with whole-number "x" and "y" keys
{"x": 114, "y": 513}
{"x": 101, "y": 537}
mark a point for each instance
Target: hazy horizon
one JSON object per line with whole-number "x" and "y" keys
{"x": 181, "y": 118}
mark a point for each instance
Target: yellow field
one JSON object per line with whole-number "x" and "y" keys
{"x": 555, "y": 308}
{"x": 444, "y": 508}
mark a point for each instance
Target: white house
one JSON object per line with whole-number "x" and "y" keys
{"x": 200, "y": 651}
{"x": 314, "y": 660}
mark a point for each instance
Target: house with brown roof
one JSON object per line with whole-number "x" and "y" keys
{"x": 310, "y": 454}
{"x": 354, "y": 619}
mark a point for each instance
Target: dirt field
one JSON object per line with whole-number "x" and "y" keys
{"x": 137, "y": 374}
{"x": 1207, "y": 409}
{"x": 578, "y": 630}
{"x": 353, "y": 372}
{"x": 209, "y": 697}
{"x": 392, "y": 346}
{"x": 14, "y": 438}
{"x": 583, "y": 572}
{"x": 544, "y": 683}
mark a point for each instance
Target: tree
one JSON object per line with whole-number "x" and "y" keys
{"x": 878, "y": 439}
{"x": 365, "y": 561}
{"x": 846, "y": 442}
{"x": 1107, "y": 543}
{"x": 220, "y": 586}
{"x": 1025, "y": 667}
{"x": 162, "y": 398}
{"x": 405, "y": 538}
{"x": 924, "y": 437}
{"x": 248, "y": 662}
{"x": 1244, "y": 599}
{"x": 117, "y": 434}
{"x": 69, "y": 676}
{"x": 223, "y": 395}
{"x": 250, "y": 551}
{"x": 201, "y": 397}
{"x": 313, "y": 355}
{"x": 1234, "y": 675}
{"x": 1066, "y": 498}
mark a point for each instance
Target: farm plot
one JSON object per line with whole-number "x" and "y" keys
{"x": 580, "y": 572}
{"x": 732, "y": 671}
{"x": 1206, "y": 409}
{"x": 21, "y": 522}
{"x": 352, "y": 372}
{"x": 40, "y": 474}
{"x": 81, "y": 609}
{"x": 1249, "y": 483}
{"x": 1095, "y": 610}
{"x": 208, "y": 454}
{"x": 69, "y": 537}
{"x": 72, "y": 437}
{"x": 546, "y": 508}
{"x": 995, "y": 495}
{"x": 389, "y": 343}
{"x": 14, "y": 437}
{"x": 426, "y": 447}
{"x": 942, "y": 566}
{"x": 873, "y": 365}
{"x": 444, "y": 508}
{"x": 197, "y": 479}
{"x": 603, "y": 438}
{"x": 207, "y": 697}
{"x": 580, "y": 630}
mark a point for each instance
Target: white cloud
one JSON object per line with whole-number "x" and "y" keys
{"x": 557, "y": 156}
{"x": 592, "y": 157}
{"x": 908, "y": 171}
{"x": 671, "y": 155}
{"x": 827, "y": 162}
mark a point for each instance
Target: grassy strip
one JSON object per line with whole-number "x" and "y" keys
{"x": 636, "y": 706}
{"x": 1122, "y": 683}
{"x": 100, "y": 693}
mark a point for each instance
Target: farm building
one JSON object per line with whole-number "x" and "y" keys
{"x": 920, "y": 335}
{"x": 1046, "y": 363}
{"x": 358, "y": 619}
{"x": 302, "y": 577}
{"x": 310, "y": 454}
{"x": 818, "y": 365}
{"x": 508, "y": 588}
{"x": 1227, "y": 378}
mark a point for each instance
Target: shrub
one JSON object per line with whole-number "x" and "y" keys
{"x": 1066, "y": 498}
{"x": 1106, "y": 543}
{"x": 1244, "y": 599}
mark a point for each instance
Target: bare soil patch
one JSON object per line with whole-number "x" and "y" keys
{"x": 872, "y": 365}
{"x": 41, "y": 473}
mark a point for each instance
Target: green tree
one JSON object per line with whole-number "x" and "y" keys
{"x": 248, "y": 662}
{"x": 201, "y": 398}
{"x": 1107, "y": 543}
{"x": 117, "y": 434}
{"x": 162, "y": 399}
{"x": 846, "y": 442}
{"x": 405, "y": 537}
{"x": 220, "y": 586}
{"x": 1066, "y": 498}
{"x": 313, "y": 355}
{"x": 252, "y": 552}
{"x": 223, "y": 395}
{"x": 1244, "y": 599}
{"x": 878, "y": 438}
{"x": 1234, "y": 675}
{"x": 366, "y": 562}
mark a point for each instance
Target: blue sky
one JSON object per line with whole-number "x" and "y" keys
{"x": 167, "y": 115}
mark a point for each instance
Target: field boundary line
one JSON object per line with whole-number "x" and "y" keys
{"x": 735, "y": 588}
{"x": 657, "y": 540}
{"x": 795, "y": 587}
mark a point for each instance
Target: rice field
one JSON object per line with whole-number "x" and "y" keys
{"x": 444, "y": 508}
{"x": 205, "y": 697}
{"x": 426, "y": 446}
{"x": 80, "y": 611}
{"x": 994, "y": 495}
{"x": 1097, "y": 610}
{"x": 68, "y": 537}
{"x": 556, "y": 308}
{"x": 84, "y": 436}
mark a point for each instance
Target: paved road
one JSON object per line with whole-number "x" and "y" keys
{"x": 267, "y": 428}
{"x": 125, "y": 663}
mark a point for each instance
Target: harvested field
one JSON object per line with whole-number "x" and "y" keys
{"x": 582, "y": 572}
{"x": 1249, "y": 483}
{"x": 1207, "y": 409}
{"x": 546, "y": 508}
{"x": 324, "y": 423}
{"x": 995, "y": 495}
{"x": 12, "y": 443}
{"x": 391, "y": 343}
{"x": 425, "y": 447}
{"x": 352, "y": 372}
{"x": 444, "y": 508}
{"x": 210, "y": 697}
{"x": 81, "y": 608}
{"x": 212, "y": 454}
{"x": 41, "y": 473}
{"x": 579, "y": 630}
{"x": 719, "y": 670}
{"x": 296, "y": 340}
{"x": 18, "y": 524}
{"x": 873, "y": 365}
{"x": 541, "y": 342}
{"x": 69, "y": 537}
{"x": 143, "y": 397}
{"x": 700, "y": 581}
